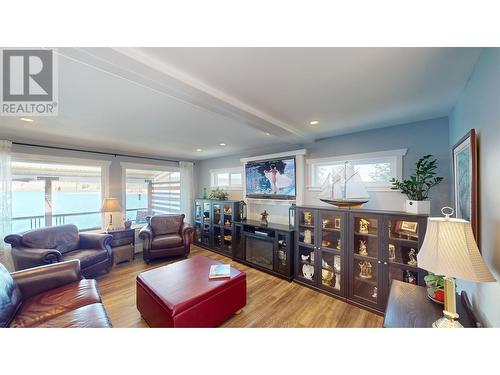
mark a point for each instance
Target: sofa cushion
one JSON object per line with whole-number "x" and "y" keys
{"x": 166, "y": 224}
{"x": 48, "y": 305}
{"x": 90, "y": 316}
{"x": 165, "y": 241}
{"x": 87, "y": 257}
{"x": 63, "y": 238}
{"x": 10, "y": 297}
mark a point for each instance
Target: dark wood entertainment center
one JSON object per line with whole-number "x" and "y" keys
{"x": 350, "y": 254}
{"x": 218, "y": 227}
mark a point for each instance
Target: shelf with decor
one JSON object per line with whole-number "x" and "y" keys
{"x": 372, "y": 247}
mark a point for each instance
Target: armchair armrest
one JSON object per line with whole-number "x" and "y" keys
{"x": 95, "y": 241}
{"x": 28, "y": 257}
{"x": 37, "y": 280}
{"x": 13, "y": 239}
{"x": 187, "y": 234}
{"x": 146, "y": 235}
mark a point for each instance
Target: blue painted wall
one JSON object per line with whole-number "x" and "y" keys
{"x": 479, "y": 108}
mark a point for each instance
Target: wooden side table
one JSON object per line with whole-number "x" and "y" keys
{"x": 123, "y": 245}
{"x": 409, "y": 307}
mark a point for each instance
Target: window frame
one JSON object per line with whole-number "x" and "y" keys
{"x": 149, "y": 167}
{"x": 230, "y": 171}
{"x": 395, "y": 156}
{"x": 66, "y": 160}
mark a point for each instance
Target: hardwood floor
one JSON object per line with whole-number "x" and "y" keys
{"x": 271, "y": 301}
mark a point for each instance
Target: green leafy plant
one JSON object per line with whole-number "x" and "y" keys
{"x": 417, "y": 187}
{"x": 435, "y": 282}
{"x": 219, "y": 194}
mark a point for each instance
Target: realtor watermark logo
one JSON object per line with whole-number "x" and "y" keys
{"x": 28, "y": 82}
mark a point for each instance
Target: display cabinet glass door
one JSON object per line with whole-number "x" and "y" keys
{"x": 330, "y": 227}
{"x": 198, "y": 211}
{"x": 403, "y": 246}
{"x": 366, "y": 268}
{"x": 217, "y": 213}
{"x": 282, "y": 253}
{"x": 238, "y": 243}
{"x": 228, "y": 215}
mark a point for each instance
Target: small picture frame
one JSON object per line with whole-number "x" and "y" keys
{"x": 406, "y": 228}
{"x": 336, "y": 223}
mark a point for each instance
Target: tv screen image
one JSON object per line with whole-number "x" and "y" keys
{"x": 271, "y": 179}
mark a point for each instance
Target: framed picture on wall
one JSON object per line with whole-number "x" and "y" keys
{"x": 464, "y": 158}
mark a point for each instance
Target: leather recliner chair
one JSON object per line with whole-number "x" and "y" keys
{"x": 48, "y": 245}
{"x": 55, "y": 295}
{"x": 166, "y": 236}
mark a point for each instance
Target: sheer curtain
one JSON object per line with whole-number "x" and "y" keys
{"x": 187, "y": 189}
{"x": 5, "y": 202}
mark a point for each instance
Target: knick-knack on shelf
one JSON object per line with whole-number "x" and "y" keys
{"x": 362, "y": 248}
{"x": 263, "y": 218}
{"x": 364, "y": 226}
{"x": 365, "y": 270}
{"x": 413, "y": 258}
{"x": 307, "y": 236}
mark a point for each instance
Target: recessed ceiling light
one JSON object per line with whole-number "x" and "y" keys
{"x": 222, "y": 144}
{"x": 314, "y": 122}
{"x": 199, "y": 150}
{"x": 268, "y": 133}
{"x": 26, "y": 119}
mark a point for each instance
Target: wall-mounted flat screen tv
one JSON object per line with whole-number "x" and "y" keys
{"x": 271, "y": 179}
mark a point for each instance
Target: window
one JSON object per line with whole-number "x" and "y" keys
{"x": 150, "y": 191}
{"x": 375, "y": 169}
{"x": 228, "y": 179}
{"x": 55, "y": 193}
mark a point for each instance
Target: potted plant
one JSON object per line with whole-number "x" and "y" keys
{"x": 417, "y": 187}
{"x": 219, "y": 194}
{"x": 435, "y": 287}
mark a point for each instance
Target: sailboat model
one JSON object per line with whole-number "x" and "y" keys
{"x": 344, "y": 189}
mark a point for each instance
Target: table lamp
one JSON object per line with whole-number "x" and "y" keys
{"x": 449, "y": 249}
{"x": 110, "y": 205}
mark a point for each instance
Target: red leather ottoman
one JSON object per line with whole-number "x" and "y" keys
{"x": 181, "y": 294}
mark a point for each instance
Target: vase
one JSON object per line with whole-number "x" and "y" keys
{"x": 127, "y": 224}
{"x": 418, "y": 207}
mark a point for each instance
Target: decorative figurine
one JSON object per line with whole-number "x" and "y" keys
{"x": 363, "y": 226}
{"x": 308, "y": 218}
{"x": 326, "y": 243}
{"x": 337, "y": 281}
{"x": 413, "y": 258}
{"x": 312, "y": 256}
{"x": 362, "y": 248}
{"x": 374, "y": 292}
{"x": 263, "y": 218}
{"x": 227, "y": 223}
{"x": 127, "y": 223}
{"x": 365, "y": 270}
{"x": 392, "y": 252}
{"x": 305, "y": 257}
{"x": 338, "y": 244}
{"x": 308, "y": 271}
{"x": 409, "y": 277}
{"x": 326, "y": 223}
{"x": 325, "y": 264}
{"x": 308, "y": 236}
{"x": 327, "y": 277}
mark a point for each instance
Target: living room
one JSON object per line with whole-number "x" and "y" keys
{"x": 187, "y": 186}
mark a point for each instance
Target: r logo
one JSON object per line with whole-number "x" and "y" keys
{"x": 27, "y": 75}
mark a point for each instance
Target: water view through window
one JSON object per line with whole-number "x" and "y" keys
{"x": 45, "y": 194}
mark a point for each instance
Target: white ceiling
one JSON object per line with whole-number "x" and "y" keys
{"x": 170, "y": 101}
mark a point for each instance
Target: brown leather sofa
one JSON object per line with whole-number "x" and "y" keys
{"x": 55, "y": 295}
{"x": 165, "y": 236}
{"x": 56, "y": 244}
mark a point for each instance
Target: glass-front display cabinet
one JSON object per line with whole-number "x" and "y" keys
{"x": 320, "y": 250}
{"x": 214, "y": 224}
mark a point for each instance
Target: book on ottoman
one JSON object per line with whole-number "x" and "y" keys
{"x": 219, "y": 271}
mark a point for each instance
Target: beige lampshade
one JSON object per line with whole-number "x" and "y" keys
{"x": 449, "y": 249}
{"x": 110, "y": 205}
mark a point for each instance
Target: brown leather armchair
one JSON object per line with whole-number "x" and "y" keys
{"x": 165, "y": 236}
{"x": 48, "y": 245}
{"x": 55, "y": 295}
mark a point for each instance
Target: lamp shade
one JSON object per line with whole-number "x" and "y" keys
{"x": 449, "y": 249}
{"x": 110, "y": 205}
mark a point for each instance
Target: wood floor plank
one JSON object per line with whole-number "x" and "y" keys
{"x": 271, "y": 301}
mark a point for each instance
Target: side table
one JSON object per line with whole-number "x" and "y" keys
{"x": 122, "y": 245}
